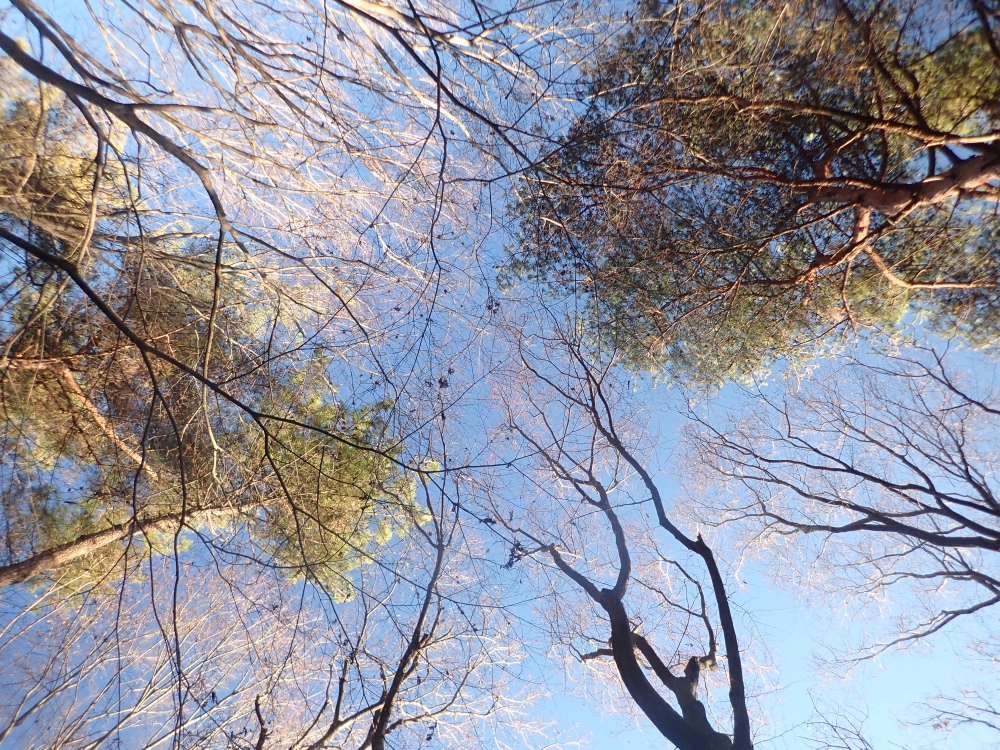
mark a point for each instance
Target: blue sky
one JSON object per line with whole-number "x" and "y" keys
{"x": 795, "y": 636}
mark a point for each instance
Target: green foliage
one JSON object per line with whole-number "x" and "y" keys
{"x": 49, "y": 163}
{"x": 334, "y": 498}
{"x": 79, "y": 405}
{"x": 686, "y": 204}
{"x": 317, "y": 502}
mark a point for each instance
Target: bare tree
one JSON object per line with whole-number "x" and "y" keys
{"x": 872, "y": 479}
{"x": 238, "y": 648}
{"x": 649, "y": 610}
{"x": 895, "y": 451}
{"x": 229, "y": 233}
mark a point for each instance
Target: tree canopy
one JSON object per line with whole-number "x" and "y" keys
{"x": 754, "y": 180}
{"x": 373, "y": 373}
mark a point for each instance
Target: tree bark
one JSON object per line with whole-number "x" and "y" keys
{"x": 671, "y": 724}
{"x": 87, "y": 544}
{"x": 970, "y": 174}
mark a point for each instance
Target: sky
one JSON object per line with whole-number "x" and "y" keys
{"x": 802, "y": 641}
{"x": 794, "y": 636}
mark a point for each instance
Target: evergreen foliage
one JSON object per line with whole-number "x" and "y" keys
{"x": 748, "y": 180}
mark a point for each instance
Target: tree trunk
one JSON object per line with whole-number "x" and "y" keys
{"x": 87, "y": 544}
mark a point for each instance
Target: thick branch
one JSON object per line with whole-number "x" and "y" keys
{"x": 671, "y": 724}
{"x": 262, "y": 737}
{"x": 61, "y": 369}
{"x": 407, "y": 662}
{"x": 685, "y": 690}
{"x": 88, "y": 544}
{"x": 737, "y": 689}
{"x": 971, "y": 174}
